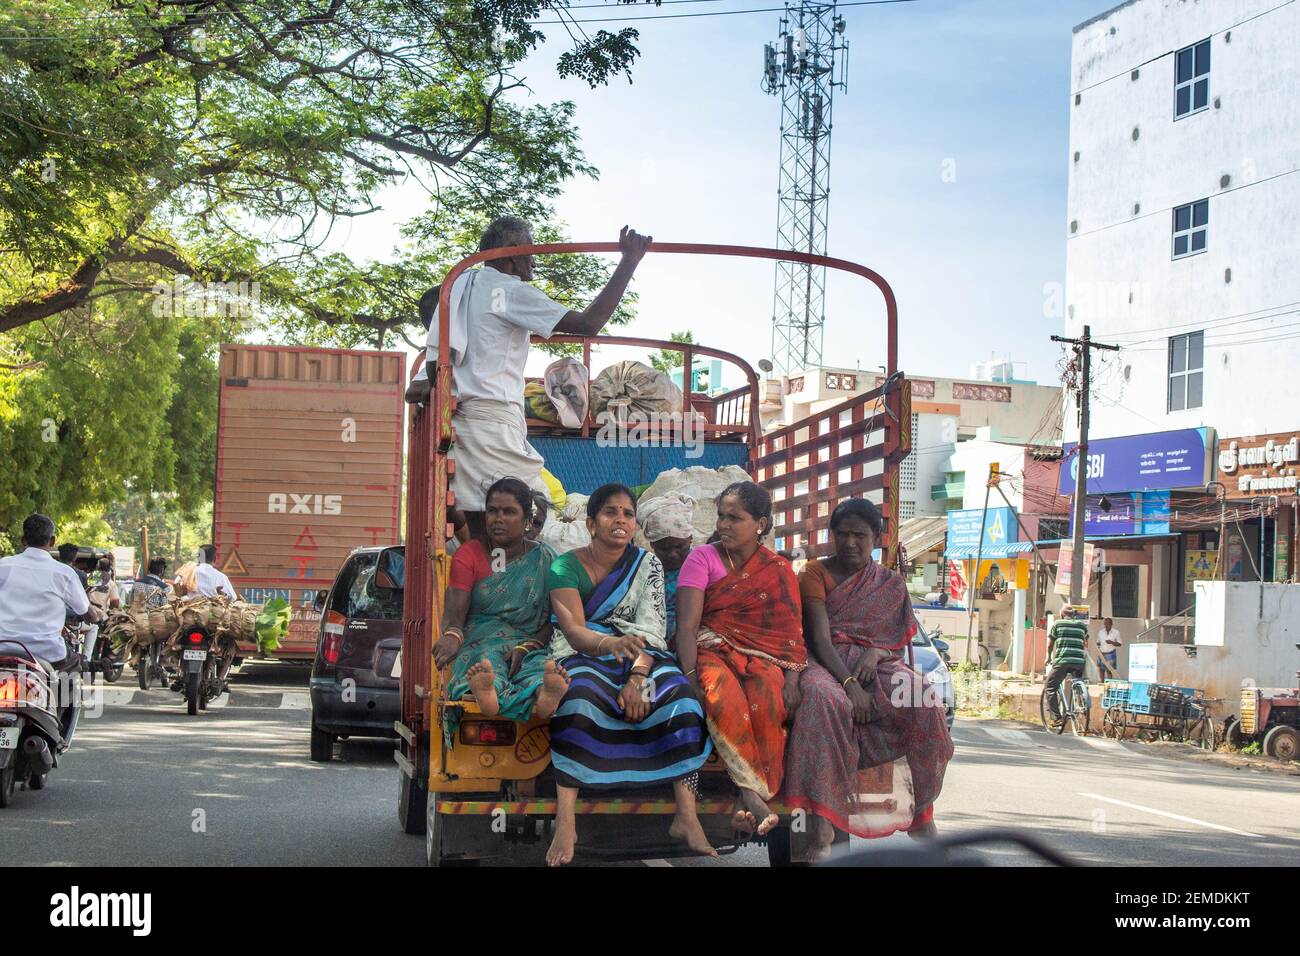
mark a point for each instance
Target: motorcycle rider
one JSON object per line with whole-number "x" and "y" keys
{"x": 36, "y": 594}
{"x": 68, "y": 555}
{"x": 208, "y": 581}
{"x": 156, "y": 587}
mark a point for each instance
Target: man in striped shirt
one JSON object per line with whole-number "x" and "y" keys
{"x": 1067, "y": 652}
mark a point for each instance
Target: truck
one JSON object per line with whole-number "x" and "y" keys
{"x": 473, "y": 795}
{"x": 309, "y": 467}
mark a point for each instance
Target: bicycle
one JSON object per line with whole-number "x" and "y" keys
{"x": 1074, "y": 706}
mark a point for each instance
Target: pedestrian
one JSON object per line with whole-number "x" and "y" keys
{"x": 1108, "y": 645}
{"x": 1067, "y": 652}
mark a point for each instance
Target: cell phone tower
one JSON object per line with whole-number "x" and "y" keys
{"x": 804, "y": 67}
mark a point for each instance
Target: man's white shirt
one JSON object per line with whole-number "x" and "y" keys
{"x": 1103, "y": 636}
{"x": 207, "y": 578}
{"x": 36, "y": 594}
{"x": 503, "y": 311}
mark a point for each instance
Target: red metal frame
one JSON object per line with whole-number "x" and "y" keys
{"x": 430, "y": 437}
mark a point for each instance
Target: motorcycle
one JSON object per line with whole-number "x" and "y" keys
{"x": 102, "y": 659}
{"x": 39, "y": 710}
{"x": 205, "y": 661}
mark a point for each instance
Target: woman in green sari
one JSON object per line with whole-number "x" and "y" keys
{"x": 496, "y": 632}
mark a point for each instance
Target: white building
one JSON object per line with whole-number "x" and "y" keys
{"x": 1184, "y": 194}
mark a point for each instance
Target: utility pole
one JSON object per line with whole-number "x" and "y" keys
{"x": 972, "y": 585}
{"x": 1083, "y": 350}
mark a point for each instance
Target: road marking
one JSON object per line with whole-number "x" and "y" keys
{"x": 1103, "y": 744}
{"x": 295, "y": 701}
{"x": 1171, "y": 816}
{"x": 1018, "y": 737}
{"x": 656, "y": 863}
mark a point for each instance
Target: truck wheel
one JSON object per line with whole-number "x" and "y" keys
{"x": 1282, "y": 743}
{"x": 434, "y": 830}
{"x": 1232, "y": 733}
{"x": 322, "y": 745}
{"x": 412, "y": 798}
{"x": 192, "y": 692}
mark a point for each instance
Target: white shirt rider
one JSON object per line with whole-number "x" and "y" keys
{"x": 207, "y": 578}
{"x": 36, "y": 594}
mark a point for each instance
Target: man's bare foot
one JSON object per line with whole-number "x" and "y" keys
{"x": 687, "y": 829}
{"x": 555, "y": 681}
{"x": 482, "y": 679}
{"x": 561, "y": 851}
{"x": 759, "y": 812}
{"x": 821, "y": 838}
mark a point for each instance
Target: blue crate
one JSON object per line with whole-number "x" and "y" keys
{"x": 1135, "y": 697}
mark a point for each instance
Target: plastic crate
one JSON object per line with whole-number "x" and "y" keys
{"x": 1116, "y": 694}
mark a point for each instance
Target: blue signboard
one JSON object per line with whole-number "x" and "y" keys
{"x": 1154, "y": 462}
{"x": 964, "y": 528}
{"x": 1146, "y": 513}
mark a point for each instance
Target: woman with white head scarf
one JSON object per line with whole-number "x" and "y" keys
{"x": 666, "y": 522}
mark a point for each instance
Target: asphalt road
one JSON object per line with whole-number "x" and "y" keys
{"x": 145, "y": 784}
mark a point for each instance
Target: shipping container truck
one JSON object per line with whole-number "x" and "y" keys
{"x": 474, "y": 794}
{"x": 309, "y": 466}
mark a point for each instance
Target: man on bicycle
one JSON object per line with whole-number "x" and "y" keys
{"x": 1067, "y": 652}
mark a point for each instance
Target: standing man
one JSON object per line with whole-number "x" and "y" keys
{"x": 1108, "y": 645}
{"x": 493, "y": 312}
{"x": 36, "y": 594}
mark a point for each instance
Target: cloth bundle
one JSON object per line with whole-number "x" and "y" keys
{"x": 627, "y": 388}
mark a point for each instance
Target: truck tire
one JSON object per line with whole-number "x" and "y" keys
{"x": 322, "y": 744}
{"x": 1282, "y": 743}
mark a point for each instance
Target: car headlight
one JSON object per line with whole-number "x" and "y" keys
{"x": 939, "y": 675}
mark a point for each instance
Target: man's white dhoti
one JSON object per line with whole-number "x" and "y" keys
{"x": 491, "y": 443}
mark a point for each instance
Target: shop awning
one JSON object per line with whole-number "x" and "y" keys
{"x": 919, "y": 535}
{"x": 1111, "y": 539}
{"x": 990, "y": 552}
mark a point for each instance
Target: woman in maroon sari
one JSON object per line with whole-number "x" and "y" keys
{"x": 862, "y": 705}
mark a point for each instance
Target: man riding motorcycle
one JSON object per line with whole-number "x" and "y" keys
{"x": 37, "y": 593}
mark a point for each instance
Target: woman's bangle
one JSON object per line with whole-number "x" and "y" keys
{"x": 523, "y": 647}
{"x": 640, "y": 673}
{"x": 852, "y": 678}
{"x": 456, "y": 631}
{"x": 689, "y": 672}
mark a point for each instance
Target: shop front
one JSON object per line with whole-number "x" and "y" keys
{"x": 1259, "y": 477}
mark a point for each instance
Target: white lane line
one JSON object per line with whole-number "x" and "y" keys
{"x": 1171, "y": 816}
{"x": 1101, "y": 743}
{"x": 295, "y": 701}
{"x": 656, "y": 863}
{"x": 1018, "y": 737}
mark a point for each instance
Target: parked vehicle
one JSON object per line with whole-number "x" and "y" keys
{"x": 354, "y": 684}
{"x": 930, "y": 658}
{"x": 38, "y": 718}
{"x": 491, "y": 784}
{"x": 1270, "y": 716}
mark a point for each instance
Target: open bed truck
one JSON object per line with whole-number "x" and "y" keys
{"x": 491, "y": 786}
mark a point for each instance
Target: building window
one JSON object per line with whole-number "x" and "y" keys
{"x": 1186, "y": 361}
{"x": 1191, "y": 223}
{"x": 1124, "y": 591}
{"x": 1192, "y": 79}
{"x": 1053, "y": 529}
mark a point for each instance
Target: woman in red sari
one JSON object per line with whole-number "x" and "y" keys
{"x": 739, "y": 641}
{"x": 861, "y": 705}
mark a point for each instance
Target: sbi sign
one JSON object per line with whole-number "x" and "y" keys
{"x": 1096, "y": 467}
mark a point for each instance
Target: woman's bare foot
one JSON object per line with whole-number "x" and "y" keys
{"x": 482, "y": 680}
{"x": 687, "y": 829}
{"x": 822, "y": 837}
{"x": 926, "y": 832}
{"x": 759, "y": 812}
{"x": 561, "y": 851}
{"x": 555, "y": 681}
{"x": 686, "y": 822}
{"x": 742, "y": 821}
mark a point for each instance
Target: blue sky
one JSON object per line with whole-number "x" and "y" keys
{"x": 689, "y": 152}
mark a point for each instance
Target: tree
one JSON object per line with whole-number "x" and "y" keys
{"x": 158, "y": 131}
{"x": 666, "y": 360}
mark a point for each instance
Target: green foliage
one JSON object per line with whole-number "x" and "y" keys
{"x": 1252, "y": 749}
{"x": 272, "y": 624}
{"x": 664, "y": 360}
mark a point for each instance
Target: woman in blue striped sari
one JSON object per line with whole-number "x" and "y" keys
{"x": 630, "y": 717}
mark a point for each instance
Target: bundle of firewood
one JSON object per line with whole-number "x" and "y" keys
{"x": 218, "y": 616}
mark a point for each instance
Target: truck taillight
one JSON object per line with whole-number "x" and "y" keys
{"x": 488, "y": 733}
{"x": 332, "y": 645}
